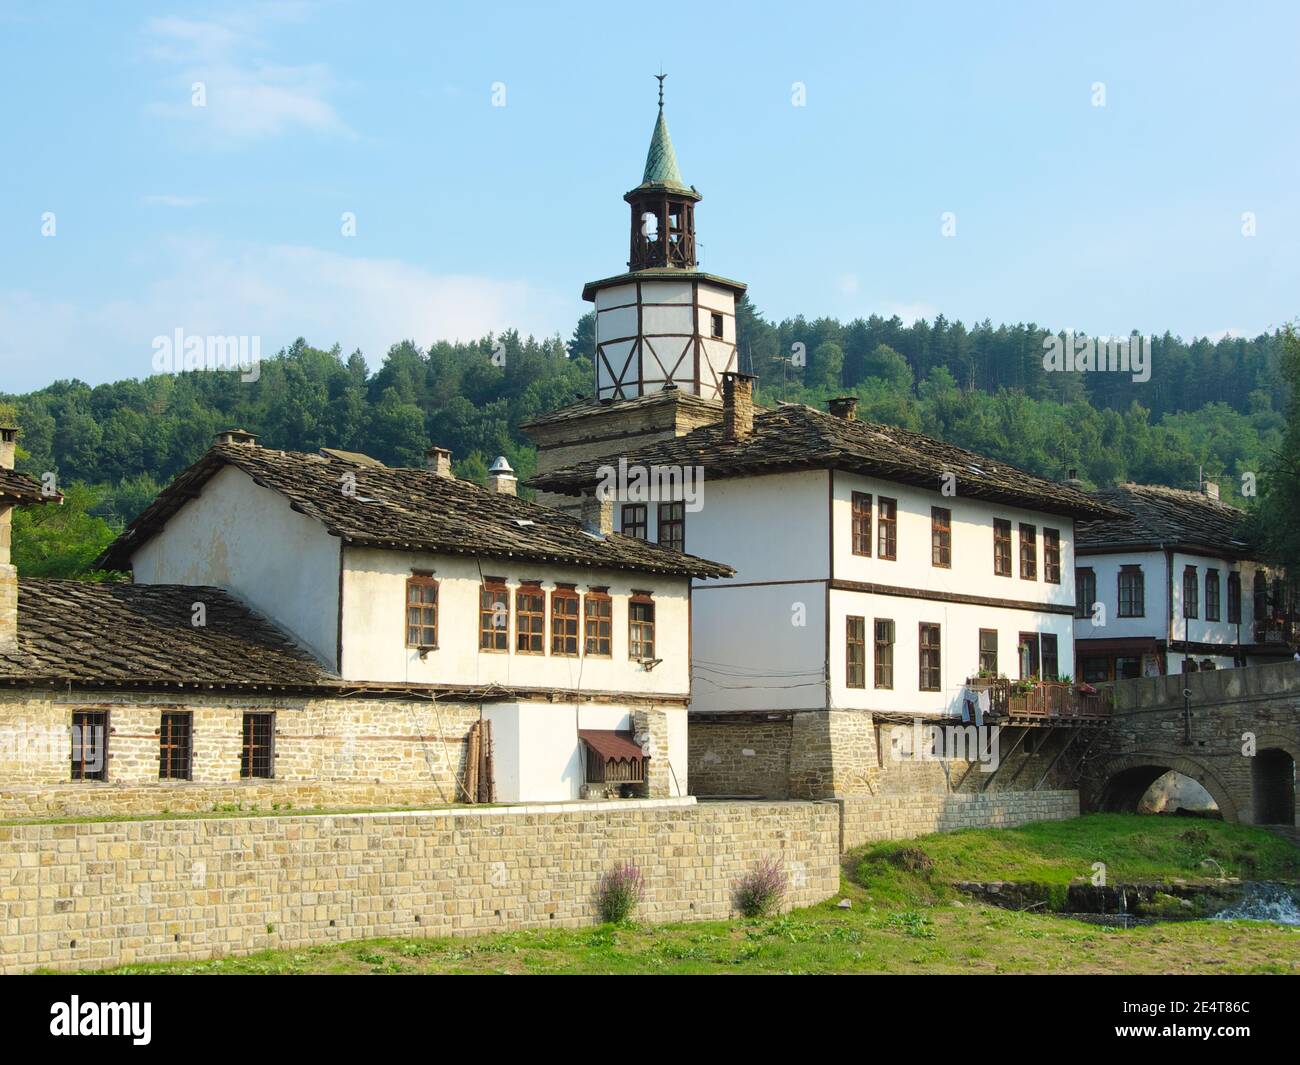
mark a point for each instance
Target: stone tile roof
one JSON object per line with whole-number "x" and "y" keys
{"x": 584, "y": 408}
{"x": 794, "y": 436}
{"x": 80, "y": 632}
{"x": 409, "y": 510}
{"x": 19, "y": 488}
{"x": 1175, "y": 517}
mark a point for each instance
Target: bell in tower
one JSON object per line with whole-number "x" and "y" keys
{"x": 664, "y": 323}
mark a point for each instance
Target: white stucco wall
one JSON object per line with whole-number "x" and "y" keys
{"x": 1154, "y": 621}
{"x": 245, "y": 539}
{"x": 374, "y": 634}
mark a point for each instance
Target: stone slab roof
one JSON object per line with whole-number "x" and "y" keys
{"x": 409, "y": 510}
{"x": 19, "y": 488}
{"x": 1159, "y": 516}
{"x": 794, "y": 437}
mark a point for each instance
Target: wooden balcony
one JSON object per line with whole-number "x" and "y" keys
{"x": 1048, "y": 700}
{"x": 1279, "y": 631}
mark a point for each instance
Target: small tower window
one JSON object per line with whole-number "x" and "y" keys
{"x": 716, "y": 325}
{"x": 650, "y": 226}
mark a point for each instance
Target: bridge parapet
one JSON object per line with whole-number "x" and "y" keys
{"x": 1211, "y": 686}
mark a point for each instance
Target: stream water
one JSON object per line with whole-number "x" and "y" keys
{"x": 1264, "y": 902}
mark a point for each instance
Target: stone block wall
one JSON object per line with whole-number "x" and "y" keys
{"x": 734, "y": 759}
{"x": 91, "y": 895}
{"x": 906, "y": 816}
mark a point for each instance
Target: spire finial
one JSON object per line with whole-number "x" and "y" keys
{"x": 661, "y": 77}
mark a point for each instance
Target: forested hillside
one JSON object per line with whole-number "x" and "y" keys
{"x": 1217, "y": 405}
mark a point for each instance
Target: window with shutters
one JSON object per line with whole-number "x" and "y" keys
{"x": 1052, "y": 556}
{"x": 931, "y": 677}
{"x": 1001, "y": 547}
{"x": 941, "y": 537}
{"x": 90, "y": 745}
{"x": 421, "y": 612}
{"x": 494, "y": 616}
{"x": 989, "y": 652}
{"x": 530, "y": 619}
{"x": 634, "y": 521}
{"x": 174, "y": 731}
{"x": 564, "y": 621}
{"x": 257, "y": 751}
{"x": 1132, "y": 592}
{"x": 884, "y": 653}
{"x": 598, "y": 622}
{"x": 1211, "y": 595}
{"x": 1028, "y": 552}
{"x": 1085, "y": 591}
{"x": 672, "y": 525}
{"x": 855, "y": 653}
{"x": 641, "y": 627}
{"x": 887, "y": 529}
{"x": 862, "y": 523}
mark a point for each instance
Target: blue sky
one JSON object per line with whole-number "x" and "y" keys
{"x": 226, "y": 219}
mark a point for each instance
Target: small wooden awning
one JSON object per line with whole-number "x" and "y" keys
{"x": 611, "y": 746}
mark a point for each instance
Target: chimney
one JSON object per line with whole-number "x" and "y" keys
{"x": 737, "y": 405}
{"x": 845, "y": 407}
{"x": 237, "y": 436}
{"x": 437, "y": 460}
{"x": 8, "y": 572}
{"x": 501, "y": 478}
{"x": 597, "y": 514}
{"x": 1211, "y": 489}
{"x": 1072, "y": 478}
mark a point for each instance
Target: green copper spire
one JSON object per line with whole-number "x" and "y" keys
{"x": 661, "y": 160}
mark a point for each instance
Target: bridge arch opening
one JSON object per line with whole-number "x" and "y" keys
{"x": 1157, "y": 789}
{"x": 1273, "y": 786}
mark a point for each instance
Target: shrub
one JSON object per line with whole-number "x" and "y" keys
{"x": 620, "y": 891}
{"x": 762, "y": 889}
{"x": 912, "y": 860}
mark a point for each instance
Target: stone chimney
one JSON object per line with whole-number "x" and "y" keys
{"x": 1211, "y": 489}
{"x": 737, "y": 405}
{"x": 437, "y": 460}
{"x": 845, "y": 407}
{"x": 237, "y": 436}
{"x": 501, "y": 478}
{"x": 597, "y": 514}
{"x": 8, "y": 572}
{"x": 1072, "y": 478}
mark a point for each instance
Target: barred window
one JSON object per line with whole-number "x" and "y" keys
{"x": 672, "y": 525}
{"x": 257, "y": 752}
{"x": 862, "y": 523}
{"x": 421, "y": 612}
{"x": 598, "y": 621}
{"x": 1212, "y": 595}
{"x": 931, "y": 674}
{"x": 855, "y": 653}
{"x": 1028, "y": 552}
{"x": 1001, "y": 547}
{"x": 641, "y": 627}
{"x": 174, "y": 745}
{"x": 1052, "y": 556}
{"x": 634, "y": 521}
{"x": 887, "y": 529}
{"x": 989, "y": 651}
{"x": 564, "y": 621}
{"x": 494, "y": 616}
{"x": 1085, "y": 591}
{"x": 530, "y": 619}
{"x": 1132, "y": 592}
{"x": 941, "y": 537}
{"x": 90, "y": 745}
{"x": 884, "y": 653}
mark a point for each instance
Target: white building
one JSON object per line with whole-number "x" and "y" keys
{"x": 1175, "y": 586}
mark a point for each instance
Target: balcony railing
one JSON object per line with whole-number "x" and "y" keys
{"x": 1052, "y": 699}
{"x": 1284, "y": 631}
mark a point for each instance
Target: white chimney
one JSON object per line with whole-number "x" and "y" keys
{"x": 1211, "y": 489}
{"x": 502, "y": 479}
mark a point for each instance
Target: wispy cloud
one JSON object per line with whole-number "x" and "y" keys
{"x": 225, "y": 89}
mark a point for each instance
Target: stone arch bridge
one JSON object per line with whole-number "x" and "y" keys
{"x": 1234, "y": 731}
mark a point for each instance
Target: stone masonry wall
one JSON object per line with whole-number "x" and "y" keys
{"x": 735, "y": 759}
{"x": 91, "y": 895}
{"x": 903, "y": 816}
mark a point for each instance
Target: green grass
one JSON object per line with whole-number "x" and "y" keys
{"x": 901, "y": 921}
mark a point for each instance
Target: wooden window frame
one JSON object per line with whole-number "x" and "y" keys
{"x": 1055, "y": 672}
{"x": 1137, "y": 605}
{"x": 855, "y": 651}
{"x": 883, "y": 654}
{"x": 527, "y": 633}
{"x": 637, "y": 628}
{"x": 672, "y": 515}
{"x": 422, "y": 583}
{"x": 488, "y": 612}
{"x": 925, "y": 651}
{"x": 1191, "y": 594}
{"x": 635, "y": 517}
{"x": 1213, "y": 602}
{"x": 82, "y": 720}
{"x": 941, "y": 537}
{"x": 249, "y": 746}
{"x": 716, "y": 325}
{"x": 1027, "y": 644}
{"x": 1083, "y": 604}
{"x": 861, "y": 526}
{"x": 1028, "y": 552}
{"x": 988, "y": 664}
{"x": 562, "y": 621}
{"x": 173, "y": 747}
{"x": 591, "y": 603}
{"x": 1003, "y": 562}
{"x": 1051, "y": 556}
{"x": 887, "y": 528}
{"x": 1234, "y": 598}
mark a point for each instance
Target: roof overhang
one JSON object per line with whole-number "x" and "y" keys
{"x": 590, "y": 289}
